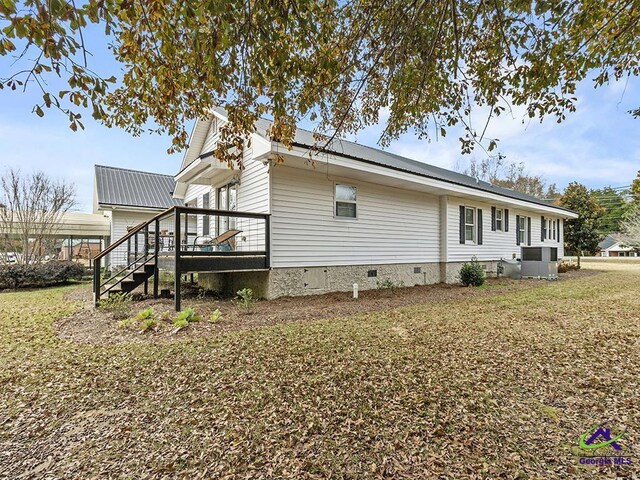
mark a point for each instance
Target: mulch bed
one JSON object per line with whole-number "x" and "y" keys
{"x": 91, "y": 325}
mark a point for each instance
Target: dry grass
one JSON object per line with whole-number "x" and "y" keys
{"x": 493, "y": 386}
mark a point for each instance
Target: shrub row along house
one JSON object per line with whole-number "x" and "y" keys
{"x": 353, "y": 215}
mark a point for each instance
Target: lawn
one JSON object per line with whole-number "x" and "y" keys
{"x": 499, "y": 385}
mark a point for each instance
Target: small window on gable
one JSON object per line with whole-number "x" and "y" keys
{"x": 345, "y": 199}
{"x": 500, "y": 219}
{"x": 469, "y": 224}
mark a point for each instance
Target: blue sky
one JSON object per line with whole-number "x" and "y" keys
{"x": 598, "y": 145}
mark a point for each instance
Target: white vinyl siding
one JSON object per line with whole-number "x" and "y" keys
{"x": 393, "y": 225}
{"x": 496, "y": 244}
{"x": 120, "y": 221}
{"x": 212, "y": 135}
{"x": 253, "y": 196}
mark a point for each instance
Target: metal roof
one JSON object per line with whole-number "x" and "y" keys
{"x": 124, "y": 187}
{"x": 305, "y": 138}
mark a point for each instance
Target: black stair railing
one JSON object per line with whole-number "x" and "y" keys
{"x": 180, "y": 239}
{"x": 135, "y": 260}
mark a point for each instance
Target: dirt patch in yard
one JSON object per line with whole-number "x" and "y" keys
{"x": 91, "y": 325}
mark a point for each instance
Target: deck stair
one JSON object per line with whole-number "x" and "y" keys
{"x": 180, "y": 240}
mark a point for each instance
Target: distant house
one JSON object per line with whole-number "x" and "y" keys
{"x": 612, "y": 246}
{"x": 128, "y": 198}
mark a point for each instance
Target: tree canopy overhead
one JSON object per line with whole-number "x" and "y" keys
{"x": 338, "y": 63}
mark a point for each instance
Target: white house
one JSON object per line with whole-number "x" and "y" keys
{"x": 355, "y": 214}
{"x": 128, "y": 198}
{"x": 612, "y": 246}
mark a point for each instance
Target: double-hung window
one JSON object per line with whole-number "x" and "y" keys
{"x": 522, "y": 230}
{"x": 500, "y": 219}
{"x": 469, "y": 224}
{"x": 345, "y": 201}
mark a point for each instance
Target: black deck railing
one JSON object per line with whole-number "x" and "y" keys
{"x": 184, "y": 239}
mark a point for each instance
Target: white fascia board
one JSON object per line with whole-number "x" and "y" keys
{"x": 451, "y": 188}
{"x": 262, "y": 147}
{"x": 130, "y": 208}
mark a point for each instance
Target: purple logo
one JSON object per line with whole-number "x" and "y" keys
{"x": 599, "y": 437}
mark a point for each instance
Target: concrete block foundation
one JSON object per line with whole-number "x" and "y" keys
{"x": 297, "y": 281}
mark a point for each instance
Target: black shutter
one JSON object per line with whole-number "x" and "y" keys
{"x": 479, "y": 227}
{"x": 493, "y": 219}
{"x": 505, "y": 219}
{"x": 528, "y": 230}
{"x": 543, "y": 229}
{"x": 517, "y": 229}
{"x": 461, "y": 223}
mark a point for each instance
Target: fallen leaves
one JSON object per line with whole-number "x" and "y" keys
{"x": 489, "y": 386}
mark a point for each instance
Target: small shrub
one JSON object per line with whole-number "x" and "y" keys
{"x": 564, "y": 267}
{"x": 37, "y": 275}
{"x": 245, "y": 299}
{"x": 126, "y": 323}
{"x": 146, "y": 314}
{"x": 180, "y": 322}
{"x": 185, "y": 317}
{"x": 472, "y": 273}
{"x": 215, "y": 316}
{"x": 148, "y": 324}
{"x": 390, "y": 285}
{"x": 118, "y": 304}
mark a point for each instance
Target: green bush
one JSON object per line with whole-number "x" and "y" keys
{"x": 215, "y": 316}
{"x": 148, "y": 324}
{"x": 472, "y": 273}
{"x": 245, "y": 299}
{"x": 185, "y": 317}
{"x": 144, "y": 320}
{"x": 145, "y": 314}
{"x": 39, "y": 274}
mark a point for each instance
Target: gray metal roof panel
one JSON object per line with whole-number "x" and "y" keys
{"x": 124, "y": 187}
{"x": 305, "y": 138}
{"x": 609, "y": 241}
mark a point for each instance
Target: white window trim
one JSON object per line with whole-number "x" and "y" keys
{"x": 335, "y": 201}
{"x": 501, "y": 229}
{"x": 474, "y": 225}
{"x": 523, "y": 241}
